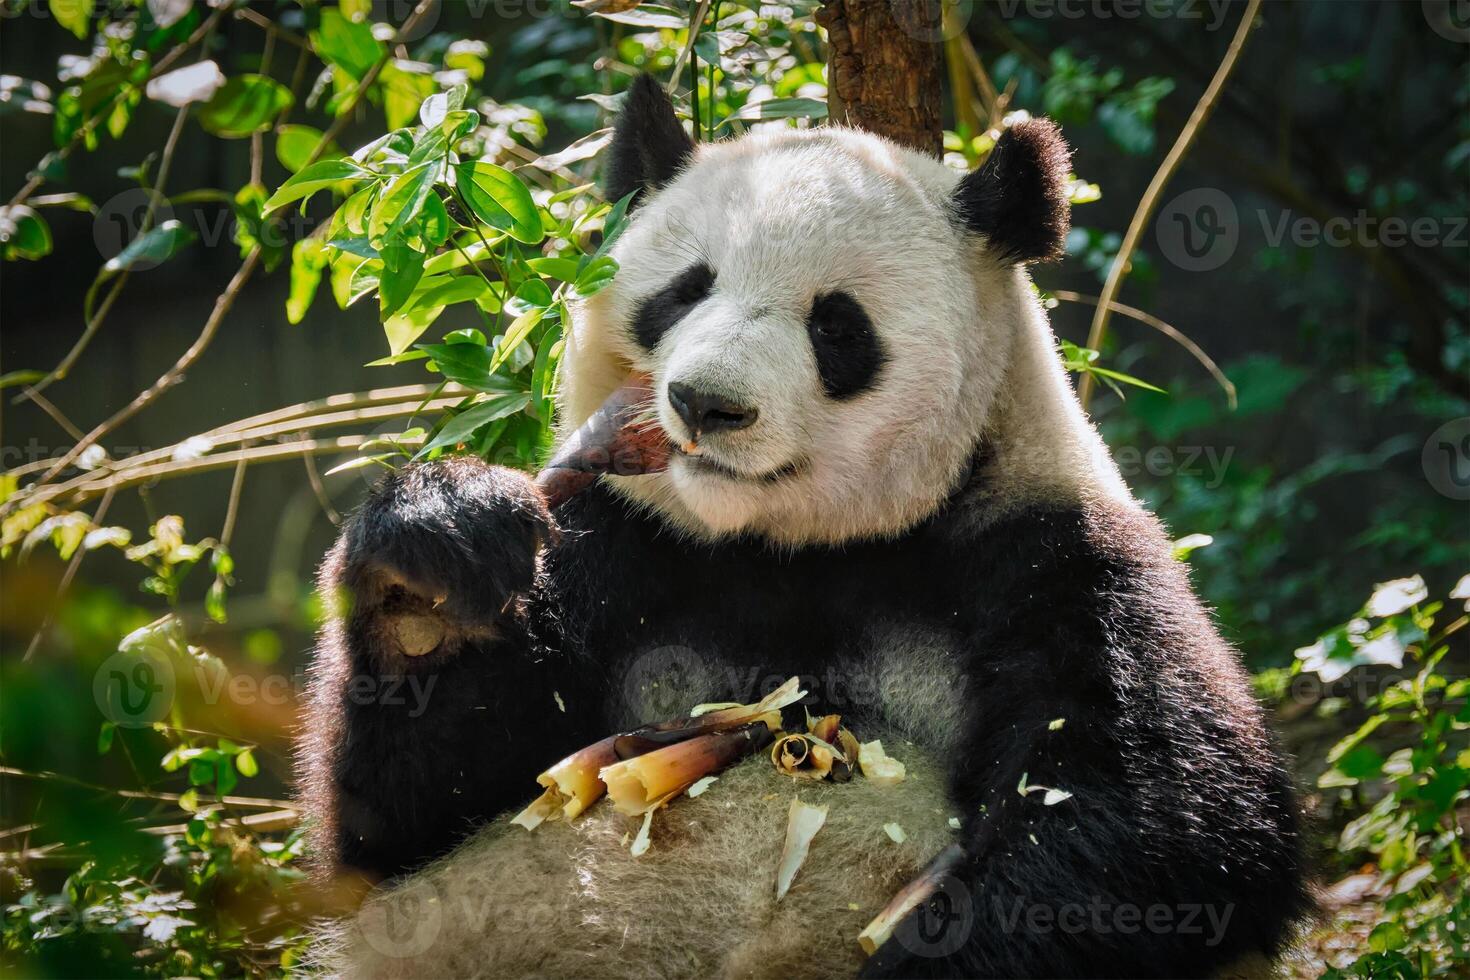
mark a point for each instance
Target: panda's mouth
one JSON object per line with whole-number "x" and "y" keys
{"x": 704, "y": 463}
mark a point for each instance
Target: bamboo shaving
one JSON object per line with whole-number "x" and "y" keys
{"x": 802, "y": 823}
{"x": 878, "y": 766}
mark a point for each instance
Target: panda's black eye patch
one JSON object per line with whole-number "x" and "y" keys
{"x": 657, "y": 314}
{"x": 849, "y": 353}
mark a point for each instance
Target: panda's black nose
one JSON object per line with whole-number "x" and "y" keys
{"x": 705, "y": 411}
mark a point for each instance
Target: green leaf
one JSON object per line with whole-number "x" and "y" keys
{"x": 322, "y": 174}
{"x": 243, "y": 105}
{"x": 402, "y": 201}
{"x": 437, "y": 107}
{"x": 598, "y": 273}
{"x": 796, "y": 108}
{"x": 463, "y": 426}
{"x": 433, "y": 225}
{"x": 105, "y": 735}
{"x": 564, "y": 270}
{"x": 498, "y": 198}
{"x": 246, "y": 763}
{"x": 404, "y": 87}
{"x": 24, "y": 234}
{"x": 515, "y": 335}
{"x": 308, "y": 261}
{"x": 295, "y": 142}
{"x": 149, "y": 249}
{"x": 346, "y": 45}
{"x": 614, "y": 223}
{"x": 402, "y": 269}
{"x": 468, "y": 365}
{"x": 74, "y": 15}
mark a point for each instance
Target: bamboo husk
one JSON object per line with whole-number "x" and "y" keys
{"x": 642, "y": 783}
{"x": 574, "y": 784}
{"x": 807, "y": 757}
{"x": 803, "y": 821}
{"x": 621, "y": 438}
{"x": 909, "y": 898}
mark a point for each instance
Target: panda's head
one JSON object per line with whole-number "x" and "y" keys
{"x": 827, "y": 317}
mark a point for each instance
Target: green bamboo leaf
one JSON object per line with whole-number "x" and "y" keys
{"x": 463, "y": 426}
{"x": 24, "y": 234}
{"x": 402, "y": 202}
{"x": 795, "y": 108}
{"x": 499, "y": 199}
{"x": 323, "y": 174}
{"x": 515, "y": 335}
{"x": 402, "y": 269}
{"x": 243, "y": 105}
{"x": 347, "y": 45}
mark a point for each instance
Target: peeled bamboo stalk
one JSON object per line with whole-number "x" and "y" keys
{"x": 574, "y": 784}
{"x": 571, "y": 786}
{"x": 909, "y": 898}
{"x": 639, "y": 784}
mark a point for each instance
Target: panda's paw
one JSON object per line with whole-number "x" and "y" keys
{"x": 439, "y": 553}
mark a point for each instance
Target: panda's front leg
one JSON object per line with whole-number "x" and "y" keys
{"x": 433, "y": 685}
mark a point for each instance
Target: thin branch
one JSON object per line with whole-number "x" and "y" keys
{"x": 314, "y": 477}
{"x": 57, "y": 415}
{"x": 272, "y": 29}
{"x": 291, "y": 427}
{"x": 1150, "y": 200}
{"x": 1172, "y": 332}
{"x": 232, "y": 509}
{"x": 306, "y": 415}
{"x": 205, "y": 464}
{"x": 133, "y": 794}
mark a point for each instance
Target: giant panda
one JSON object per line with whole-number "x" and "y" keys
{"x": 898, "y": 498}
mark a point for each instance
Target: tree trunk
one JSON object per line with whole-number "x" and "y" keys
{"x": 883, "y": 69}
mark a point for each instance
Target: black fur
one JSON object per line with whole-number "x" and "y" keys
{"x": 1055, "y": 613}
{"x": 649, "y": 145}
{"x": 849, "y": 353}
{"x": 1017, "y": 198}
{"x": 657, "y": 314}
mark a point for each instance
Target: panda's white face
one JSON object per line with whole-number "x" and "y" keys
{"x": 810, "y": 313}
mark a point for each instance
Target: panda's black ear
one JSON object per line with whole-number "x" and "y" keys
{"x": 649, "y": 144}
{"x": 1017, "y": 198}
